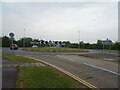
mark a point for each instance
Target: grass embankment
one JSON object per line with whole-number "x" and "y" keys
{"x": 54, "y": 49}
{"x": 44, "y": 77}
{"x": 16, "y": 58}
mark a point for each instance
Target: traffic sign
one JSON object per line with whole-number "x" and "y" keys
{"x": 11, "y": 35}
{"x": 107, "y": 42}
{"x": 50, "y": 42}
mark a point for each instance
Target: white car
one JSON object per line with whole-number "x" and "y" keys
{"x": 34, "y": 46}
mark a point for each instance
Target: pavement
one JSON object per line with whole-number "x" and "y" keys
{"x": 9, "y": 77}
{"x": 10, "y": 73}
{"x": 100, "y": 73}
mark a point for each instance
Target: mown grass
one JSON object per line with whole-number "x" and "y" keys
{"x": 44, "y": 77}
{"x": 54, "y": 49}
{"x": 16, "y": 58}
{"x": 0, "y": 54}
{"x": 114, "y": 51}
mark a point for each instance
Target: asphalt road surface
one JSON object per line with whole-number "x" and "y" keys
{"x": 9, "y": 75}
{"x": 100, "y": 73}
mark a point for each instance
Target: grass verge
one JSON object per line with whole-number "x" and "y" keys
{"x": 16, "y": 58}
{"x": 44, "y": 77}
{"x": 54, "y": 49}
{"x": 0, "y": 54}
{"x": 113, "y": 51}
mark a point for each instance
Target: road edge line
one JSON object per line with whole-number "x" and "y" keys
{"x": 67, "y": 73}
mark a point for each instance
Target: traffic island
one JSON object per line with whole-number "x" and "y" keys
{"x": 55, "y": 49}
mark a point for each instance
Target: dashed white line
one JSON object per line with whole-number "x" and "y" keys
{"x": 108, "y": 59}
{"x": 65, "y": 58}
{"x": 101, "y": 68}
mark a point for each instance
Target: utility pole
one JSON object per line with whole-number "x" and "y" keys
{"x": 24, "y": 39}
{"x": 79, "y": 39}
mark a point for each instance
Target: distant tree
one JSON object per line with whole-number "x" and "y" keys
{"x": 28, "y": 41}
{"x": 74, "y": 45}
{"x": 67, "y": 44}
{"x": 5, "y": 41}
{"x": 86, "y": 45}
{"x": 93, "y": 46}
{"x": 116, "y": 46}
{"x": 99, "y": 44}
{"x": 81, "y": 44}
{"x": 42, "y": 43}
{"x": 36, "y": 40}
{"x": 20, "y": 42}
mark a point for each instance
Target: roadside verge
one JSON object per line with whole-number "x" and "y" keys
{"x": 67, "y": 73}
{"x": 34, "y": 75}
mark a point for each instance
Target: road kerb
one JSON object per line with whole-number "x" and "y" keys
{"x": 67, "y": 73}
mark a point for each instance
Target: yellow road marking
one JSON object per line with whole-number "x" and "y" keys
{"x": 67, "y": 73}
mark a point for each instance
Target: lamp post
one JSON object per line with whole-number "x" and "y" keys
{"x": 24, "y": 39}
{"x": 79, "y": 39}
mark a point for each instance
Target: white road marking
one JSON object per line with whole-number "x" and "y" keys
{"x": 101, "y": 68}
{"x": 109, "y": 59}
{"x": 65, "y": 58}
{"x": 67, "y": 73}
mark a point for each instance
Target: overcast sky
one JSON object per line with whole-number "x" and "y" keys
{"x": 61, "y": 21}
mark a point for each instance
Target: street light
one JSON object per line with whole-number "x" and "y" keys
{"x": 24, "y": 39}
{"x": 79, "y": 39}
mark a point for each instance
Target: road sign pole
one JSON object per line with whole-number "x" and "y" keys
{"x": 110, "y": 47}
{"x": 11, "y": 35}
{"x": 103, "y": 48}
{"x": 11, "y": 40}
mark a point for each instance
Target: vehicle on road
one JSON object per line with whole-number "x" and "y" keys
{"x": 13, "y": 47}
{"x": 34, "y": 46}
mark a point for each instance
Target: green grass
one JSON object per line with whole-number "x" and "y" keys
{"x": 54, "y": 49}
{"x": 44, "y": 77}
{"x": 0, "y": 54}
{"x": 114, "y": 51}
{"x": 16, "y": 58}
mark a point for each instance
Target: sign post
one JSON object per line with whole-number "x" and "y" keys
{"x": 107, "y": 42}
{"x": 11, "y": 36}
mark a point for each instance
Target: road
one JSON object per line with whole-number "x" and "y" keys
{"x": 106, "y": 52}
{"x": 9, "y": 75}
{"x": 100, "y": 73}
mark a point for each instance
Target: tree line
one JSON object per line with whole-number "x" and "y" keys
{"x": 6, "y": 42}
